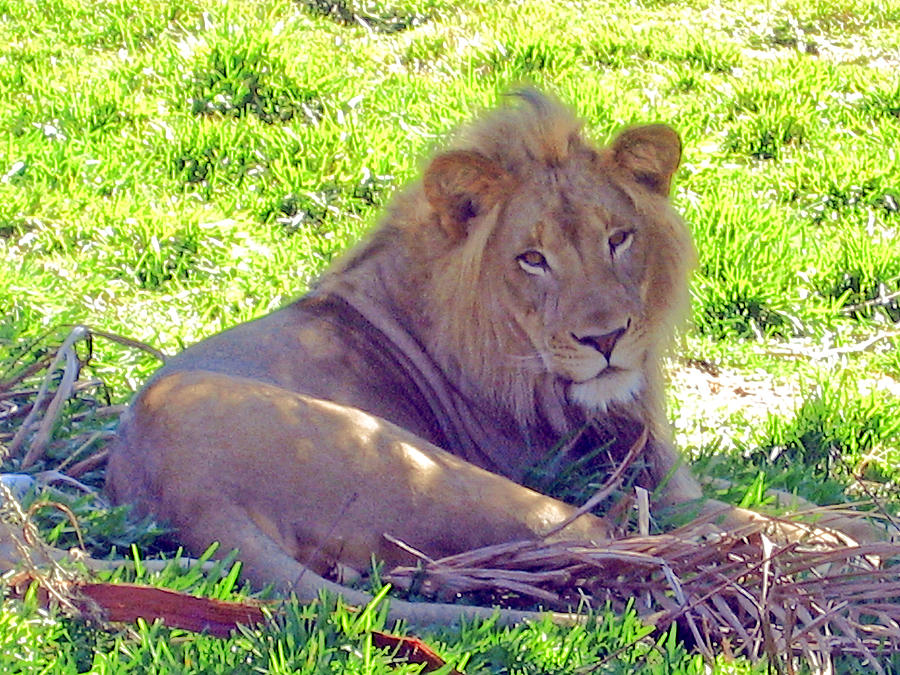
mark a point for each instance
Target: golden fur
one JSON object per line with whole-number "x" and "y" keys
{"x": 540, "y": 148}
{"x": 522, "y": 292}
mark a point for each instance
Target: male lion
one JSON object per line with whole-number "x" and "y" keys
{"x": 524, "y": 288}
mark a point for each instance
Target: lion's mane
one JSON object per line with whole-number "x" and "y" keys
{"x": 457, "y": 288}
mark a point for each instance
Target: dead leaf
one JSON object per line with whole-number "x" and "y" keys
{"x": 412, "y": 649}
{"x": 129, "y": 602}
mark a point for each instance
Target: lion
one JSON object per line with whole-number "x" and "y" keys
{"x": 522, "y": 292}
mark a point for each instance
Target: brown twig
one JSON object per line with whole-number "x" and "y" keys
{"x": 88, "y": 464}
{"x": 70, "y": 374}
{"x": 608, "y": 487}
{"x": 92, "y": 438}
{"x": 130, "y": 342}
{"x": 37, "y": 506}
{"x": 26, "y": 372}
{"x": 62, "y": 354}
{"x": 863, "y": 346}
{"x": 880, "y": 301}
{"x": 17, "y": 530}
{"x": 114, "y": 410}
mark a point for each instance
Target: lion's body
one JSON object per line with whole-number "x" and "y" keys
{"x": 525, "y": 287}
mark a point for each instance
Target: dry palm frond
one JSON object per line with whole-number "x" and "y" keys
{"x": 801, "y": 600}
{"x": 33, "y": 397}
{"x": 33, "y": 400}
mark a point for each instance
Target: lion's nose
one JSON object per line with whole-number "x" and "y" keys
{"x": 603, "y": 343}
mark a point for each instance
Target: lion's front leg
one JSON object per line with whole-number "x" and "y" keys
{"x": 323, "y": 481}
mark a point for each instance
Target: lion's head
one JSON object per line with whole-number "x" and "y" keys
{"x": 553, "y": 271}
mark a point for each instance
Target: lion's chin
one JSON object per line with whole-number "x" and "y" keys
{"x": 612, "y": 385}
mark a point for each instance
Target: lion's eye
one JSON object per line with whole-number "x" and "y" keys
{"x": 620, "y": 240}
{"x": 533, "y": 262}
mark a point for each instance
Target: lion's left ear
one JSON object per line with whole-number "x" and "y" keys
{"x": 650, "y": 154}
{"x": 461, "y": 185}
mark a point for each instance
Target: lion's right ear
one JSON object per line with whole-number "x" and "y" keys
{"x": 650, "y": 154}
{"x": 461, "y": 185}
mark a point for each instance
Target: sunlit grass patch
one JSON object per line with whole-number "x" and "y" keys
{"x": 242, "y": 78}
{"x": 833, "y": 434}
{"x": 883, "y": 103}
{"x": 378, "y": 16}
{"x": 867, "y": 280}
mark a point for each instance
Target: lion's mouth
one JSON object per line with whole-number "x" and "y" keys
{"x": 604, "y": 373}
{"x": 611, "y": 385}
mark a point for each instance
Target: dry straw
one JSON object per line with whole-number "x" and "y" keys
{"x": 733, "y": 591}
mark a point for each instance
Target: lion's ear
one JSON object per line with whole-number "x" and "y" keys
{"x": 650, "y": 154}
{"x": 461, "y": 185}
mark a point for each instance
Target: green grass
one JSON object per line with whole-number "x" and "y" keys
{"x": 322, "y": 638}
{"x": 168, "y": 170}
